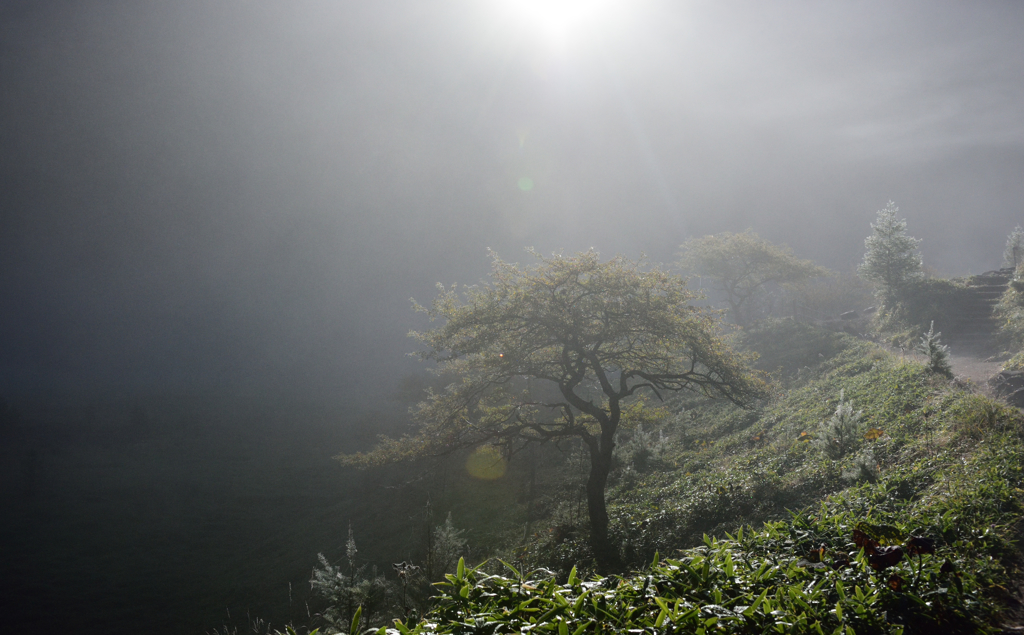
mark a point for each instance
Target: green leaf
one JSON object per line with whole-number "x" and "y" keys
{"x": 563, "y": 628}
{"x": 580, "y": 600}
{"x": 662, "y": 615}
{"x": 355, "y": 621}
{"x": 573, "y": 580}
{"x": 582, "y": 627}
{"x": 753, "y": 607}
{"x": 460, "y": 572}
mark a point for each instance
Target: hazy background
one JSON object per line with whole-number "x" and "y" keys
{"x": 213, "y": 214}
{"x": 234, "y": 195}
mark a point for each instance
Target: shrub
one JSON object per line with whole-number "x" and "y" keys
{"x": 1013, "y": 254}
{"x": 840, "y": 434}
{"x": 937, "y": 352}
{"x": 446, "y": 547}
{"x": 350, "y": 591}
{"x": 1010, "y": 311}
{"x": 637, "y": 451}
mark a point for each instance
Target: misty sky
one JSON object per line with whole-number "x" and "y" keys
{"x": 243, "y": 195}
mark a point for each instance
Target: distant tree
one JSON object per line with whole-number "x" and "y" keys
{"x": 1013, "y": 255}
{"x": 742, "y": 265}
{"x": 891, "y": 262}
{"x": 446, "y": 547}
{"x": 565, "y": 349}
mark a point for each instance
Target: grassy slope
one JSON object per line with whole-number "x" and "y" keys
{"x": 948, "y": 467}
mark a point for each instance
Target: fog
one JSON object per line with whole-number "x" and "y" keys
{"x": 237, "y": 199}
{"x": 244, "y": 195}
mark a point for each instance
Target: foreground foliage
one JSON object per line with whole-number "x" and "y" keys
{"x": 870, "y": 560}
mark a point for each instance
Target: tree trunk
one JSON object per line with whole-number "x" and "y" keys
{"x": 606, "y": 554}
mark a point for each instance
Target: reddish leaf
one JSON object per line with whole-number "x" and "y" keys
{"x": 862, "y": 540}
{"x": 896, "y": 582}
{"x": 841, "y": 561}
{"x": 885, "y": 557}
{"x": 918, "y": 545}
{"x": 880, "y": 534}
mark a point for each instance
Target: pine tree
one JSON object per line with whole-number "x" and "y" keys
{"x": 838, "y": 435}
{"x": 937, "y": 352}
{"x": 1013, "y": 255}
{"x": 891, "y": 261}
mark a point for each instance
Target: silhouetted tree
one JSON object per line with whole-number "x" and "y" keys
{"x": 564, "y": 349}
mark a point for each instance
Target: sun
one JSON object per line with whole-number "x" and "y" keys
{"x": 561, "y": 22}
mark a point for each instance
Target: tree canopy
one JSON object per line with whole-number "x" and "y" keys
{"x": 742, "y": 265}
{"x": 566, "y": 348}
{"x": 891, "y": 261}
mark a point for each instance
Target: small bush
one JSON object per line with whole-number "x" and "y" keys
{"x": 640, "y": 448}
{"x": 350, "y": 589}
{"x": 1010, "y": 311}
{"x": 841, "y": 433}
{"x": 937, "y": 352}
{"x": 447, "y": 546}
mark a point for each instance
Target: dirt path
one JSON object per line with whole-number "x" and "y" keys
{"x": 975, "y": 368}
{"x": 967, "y": 366}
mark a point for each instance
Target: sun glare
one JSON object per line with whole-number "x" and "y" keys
{"x": 561, "y": 22}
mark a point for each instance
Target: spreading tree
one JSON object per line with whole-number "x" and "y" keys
{"x": 891, "y": 262}
{"x": 566, "y": 348}
{"x": 742, "y": 265}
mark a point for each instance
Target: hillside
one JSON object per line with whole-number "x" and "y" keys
{"x": 752, "y": 526}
